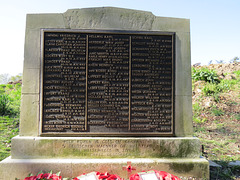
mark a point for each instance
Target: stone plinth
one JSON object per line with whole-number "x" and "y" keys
{"x": 181, "y": 167}
{"x": 74, "y": 156}
{"x": 85, "y": 147}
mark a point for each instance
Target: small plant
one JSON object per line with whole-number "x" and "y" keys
{"x": 237, "y": 73}
{"x": 199, "y": 129}
{"x": 209, "y": 89}
{"x": 199, "y": 120}
{"x": 217, "y": 112}
{"x": 197, "y": 108}
{"x": 237, "y": 116}
{"x": 205, "y": 74}
{"x": 10, "y": 96}
{"x": 4, "y": 104}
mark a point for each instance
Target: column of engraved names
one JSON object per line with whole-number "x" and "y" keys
{"x": 151, "y": 104}
{"x": 108, "y": 83}
{"x": 64, "y": 82}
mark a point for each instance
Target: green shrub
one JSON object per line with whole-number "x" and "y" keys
{"x": 10, "y": 98}
{"x": 205, "y": 74}
{"x": 2, "y": 88}
{"x": 209, "y": 89}
{"x": 212, "y": 89}
{"x": 217, "y": 112}
{"x": 237, "y": 73}
{"x": 224, "y": 86}
{"x": 4, "y": 104}
{"x": 9, "y": 87}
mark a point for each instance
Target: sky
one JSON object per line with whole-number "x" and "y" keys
{"x": 214, "y": 24}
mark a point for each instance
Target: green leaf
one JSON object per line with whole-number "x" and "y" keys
{"x": 58, "y": 174}
{"x": 30, "y": 174}
{"x": 40, "y": 172}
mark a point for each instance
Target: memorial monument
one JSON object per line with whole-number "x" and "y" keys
{"x": 103, "y": 87}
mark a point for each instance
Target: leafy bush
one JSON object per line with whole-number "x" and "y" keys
{"x": 212, "y": 89}
{"x": 2, "y": 88}
{"x": 209, "y": 89}
{"x": 205, "y": 74}
{"x": 10, "y": 98}
{"x": 4, "y": 104}
{"x": 237, "y": 73}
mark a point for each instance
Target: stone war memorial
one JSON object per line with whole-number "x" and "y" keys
{"x": 103, "y": 88}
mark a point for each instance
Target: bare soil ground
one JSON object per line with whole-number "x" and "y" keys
{"x": 216, "y": 119}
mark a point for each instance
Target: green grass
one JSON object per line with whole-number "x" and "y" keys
{"x": 199, "y": 129}
{"x": 237, "y": 73}
{"x": 237, "y": 116}
{"x": 213, "y": 89}
{"x": 8, "y": 129}
{"x": 217, "y": 112}
{"x": 10, "y": 98}
{"x": 221, "y": 149}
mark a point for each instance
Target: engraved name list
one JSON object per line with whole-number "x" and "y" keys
{"x": 107, "y": 82}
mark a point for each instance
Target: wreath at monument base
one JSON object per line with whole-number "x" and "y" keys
{"x": 145, "y": 175}
{"x": 153, "y": 175}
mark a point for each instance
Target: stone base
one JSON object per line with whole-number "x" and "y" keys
{"x": 12, "y": 168}
{"x": 76, "y": 155}
{"x": 96, "y": 148}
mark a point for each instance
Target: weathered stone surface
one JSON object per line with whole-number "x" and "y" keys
{"x": 32, "y": 49}
{"x": 32, "y": 81}
{"x": 20, "y": 168}
{"x": 118, "y": 19}
{"x": 68, "y": 148}
{"x": 29, "y": 117}
{"x": 108, "y": 18}
{"x": 38, "y": 21}
{"x": 171, "y": 24}
{"x": 183, "y": 111}
{"x": 183, "y": 65}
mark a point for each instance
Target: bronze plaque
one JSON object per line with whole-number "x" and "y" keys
{"x": 107, "y": 83}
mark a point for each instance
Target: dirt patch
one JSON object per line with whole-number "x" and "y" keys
{"x": 216, "y": 117}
